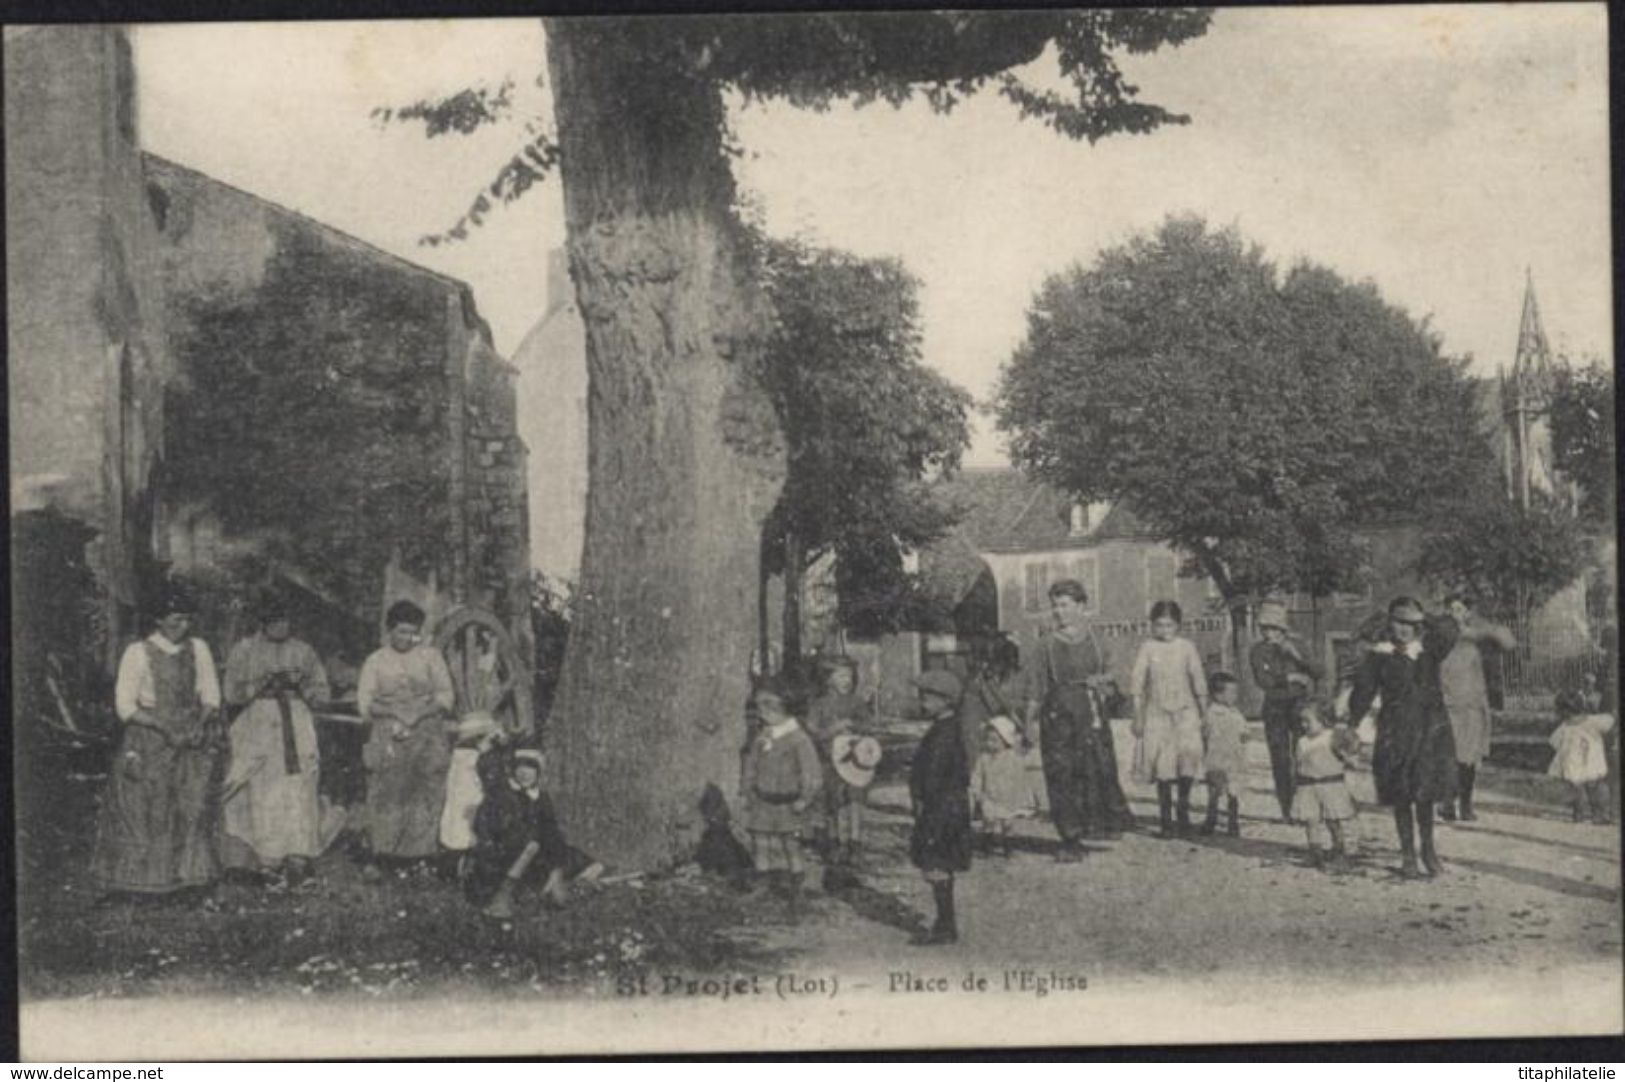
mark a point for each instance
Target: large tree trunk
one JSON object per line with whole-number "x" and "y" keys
{"x": 686, "y": 457}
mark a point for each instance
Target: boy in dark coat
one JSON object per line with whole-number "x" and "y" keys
{"x": 939, "y": 789}
{"x": 518, "y": 838}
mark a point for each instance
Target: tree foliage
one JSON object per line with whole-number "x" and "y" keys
{"x": 1252, "y": 420}
{"x": 865, "y": 422}
{"x": 1512, "y": 559}
{"x": 812, "y": 60}
{"x": 1583, "y": 436}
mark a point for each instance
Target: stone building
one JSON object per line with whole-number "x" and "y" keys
{"x": 204, "y": 383}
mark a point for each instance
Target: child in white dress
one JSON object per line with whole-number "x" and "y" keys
{"x": 999, "y": 782}
{"x": 1320, "y": 798}
{"x": 1581, "y": 757}
{"x": 1170, "y": 697}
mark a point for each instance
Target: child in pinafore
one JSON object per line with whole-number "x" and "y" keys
{"x": 780, "y": 780}
{"x": 1320, "y": 797}
{"x": 1170, "y": 697}
{"x": 1581, "y": 757}
{"x": 1224, "y": 760}
{"x": 1000, "y": 782}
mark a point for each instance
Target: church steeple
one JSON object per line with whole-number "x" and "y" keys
{"x": 1526, "y": 395}
{"x": 1533, "y": 363}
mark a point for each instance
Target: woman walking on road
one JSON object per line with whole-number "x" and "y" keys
{"x": 1414, "y": 759}
{"x": 1069, "y": 681}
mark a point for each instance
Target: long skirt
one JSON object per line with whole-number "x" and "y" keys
{"x": 156, "y": 828}
{"x": 1080, "y": 767}
{"x": 406, "y": 789}
{"x": 1470, "y": 726}
{"x": 464, "y": 792}
{"x": 269, "y": 813}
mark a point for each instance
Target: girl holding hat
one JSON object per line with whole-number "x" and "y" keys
{"x": 1285, "y": 674}
{"x": 834, "y": 714}
{"x": 155, "y": 834}
{"x": 271, "y": 809}
{"x": 1414, "y": 759}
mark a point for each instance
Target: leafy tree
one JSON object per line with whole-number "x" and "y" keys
{"x": 687, "y": 453}
{"x": 865, "y": 421}
{"x": 1512, "y": 559}
{"x": 1583, "y": 436}
{"x": 1254, "y": 423}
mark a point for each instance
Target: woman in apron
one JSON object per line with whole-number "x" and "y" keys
{"x": 1068, "y": 681}
{"x": 405, "y": 691}
{"x": 273, "y": 814}
{"x": 155, "y": 833}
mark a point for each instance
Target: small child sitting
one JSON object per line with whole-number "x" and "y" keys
{"x": 1224, "y": 760}
{"x": 1321, "y": 800}
{"x": 999, "y": 783}
{"x": 517, "y": 839}
{"x": 1581, "y": 757}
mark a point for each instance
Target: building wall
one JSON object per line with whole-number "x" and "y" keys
{"x": 365, "y": 392}
{"x": 86, "y": 342}
{"x": 551, "y": 366}
{"x": 1124, "y": 579}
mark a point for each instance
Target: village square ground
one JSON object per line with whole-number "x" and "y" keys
{"x": 1205, "y": 940}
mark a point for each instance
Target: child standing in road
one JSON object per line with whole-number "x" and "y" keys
{"x": 780, "y": 780}
{"x": 999, "y": 782}
{"x": 1581, "y": 757}
{"x": 939, "y": 790}
{"x": 1224, "y": 760}
{"x": 1320, "y": 798}
{"x": 1170, "y": 697}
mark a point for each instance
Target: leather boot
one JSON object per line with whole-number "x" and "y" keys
{"x": 1431, "y": 864}
{"x": 1211, "y": 821}
{"x": 501, "y": 904}
{"x": 1184, "y": 808}
{"x": 1165, "y": 809}
{"x": 1234, "y": 807}
{"x": 1468, "y": 775}
{"x": 1404, "y": 823}
{"x": 946, "y": 928}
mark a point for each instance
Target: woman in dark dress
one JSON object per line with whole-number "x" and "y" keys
{"x": 1414, "y": 760}
{"x": 1069, "y": 684}
{"x": 939, "y": 789}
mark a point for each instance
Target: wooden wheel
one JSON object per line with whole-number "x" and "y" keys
{"x": 486, "y": 668}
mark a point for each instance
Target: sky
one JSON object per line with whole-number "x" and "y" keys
{"x": 1436, "y": 151}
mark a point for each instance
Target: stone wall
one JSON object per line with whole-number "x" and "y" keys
{"x": 87, "y": 349}
{"x": 340, "y": 411}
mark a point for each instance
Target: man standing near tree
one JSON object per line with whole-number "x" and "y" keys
{"x": 1285, "y": 675}
{"x": 1466, "y": 696}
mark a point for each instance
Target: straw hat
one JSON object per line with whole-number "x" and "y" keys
{"x": 1005, "y": 728}
{"x": 855, "y": 758}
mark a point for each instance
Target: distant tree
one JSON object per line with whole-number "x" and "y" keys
{"x": 1583, "y": 436}
{"x": 865, "y": 422}
{"x": 687, "y": 455}
{"x": 1253, "y": 423}
{"x": 1510, "y": 558}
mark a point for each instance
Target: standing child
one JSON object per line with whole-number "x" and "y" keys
{"x": 779, "y": 782}
{"x": 1170, "y": 697}
{"x": 838, "y": 712}
{"x": 1000, "y": 782}
{"x": 1582, "y": 757}
{"x": 1224, "y": 760}
{"x": 939, "y": 790}
{"x": 1320, "y": 796}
